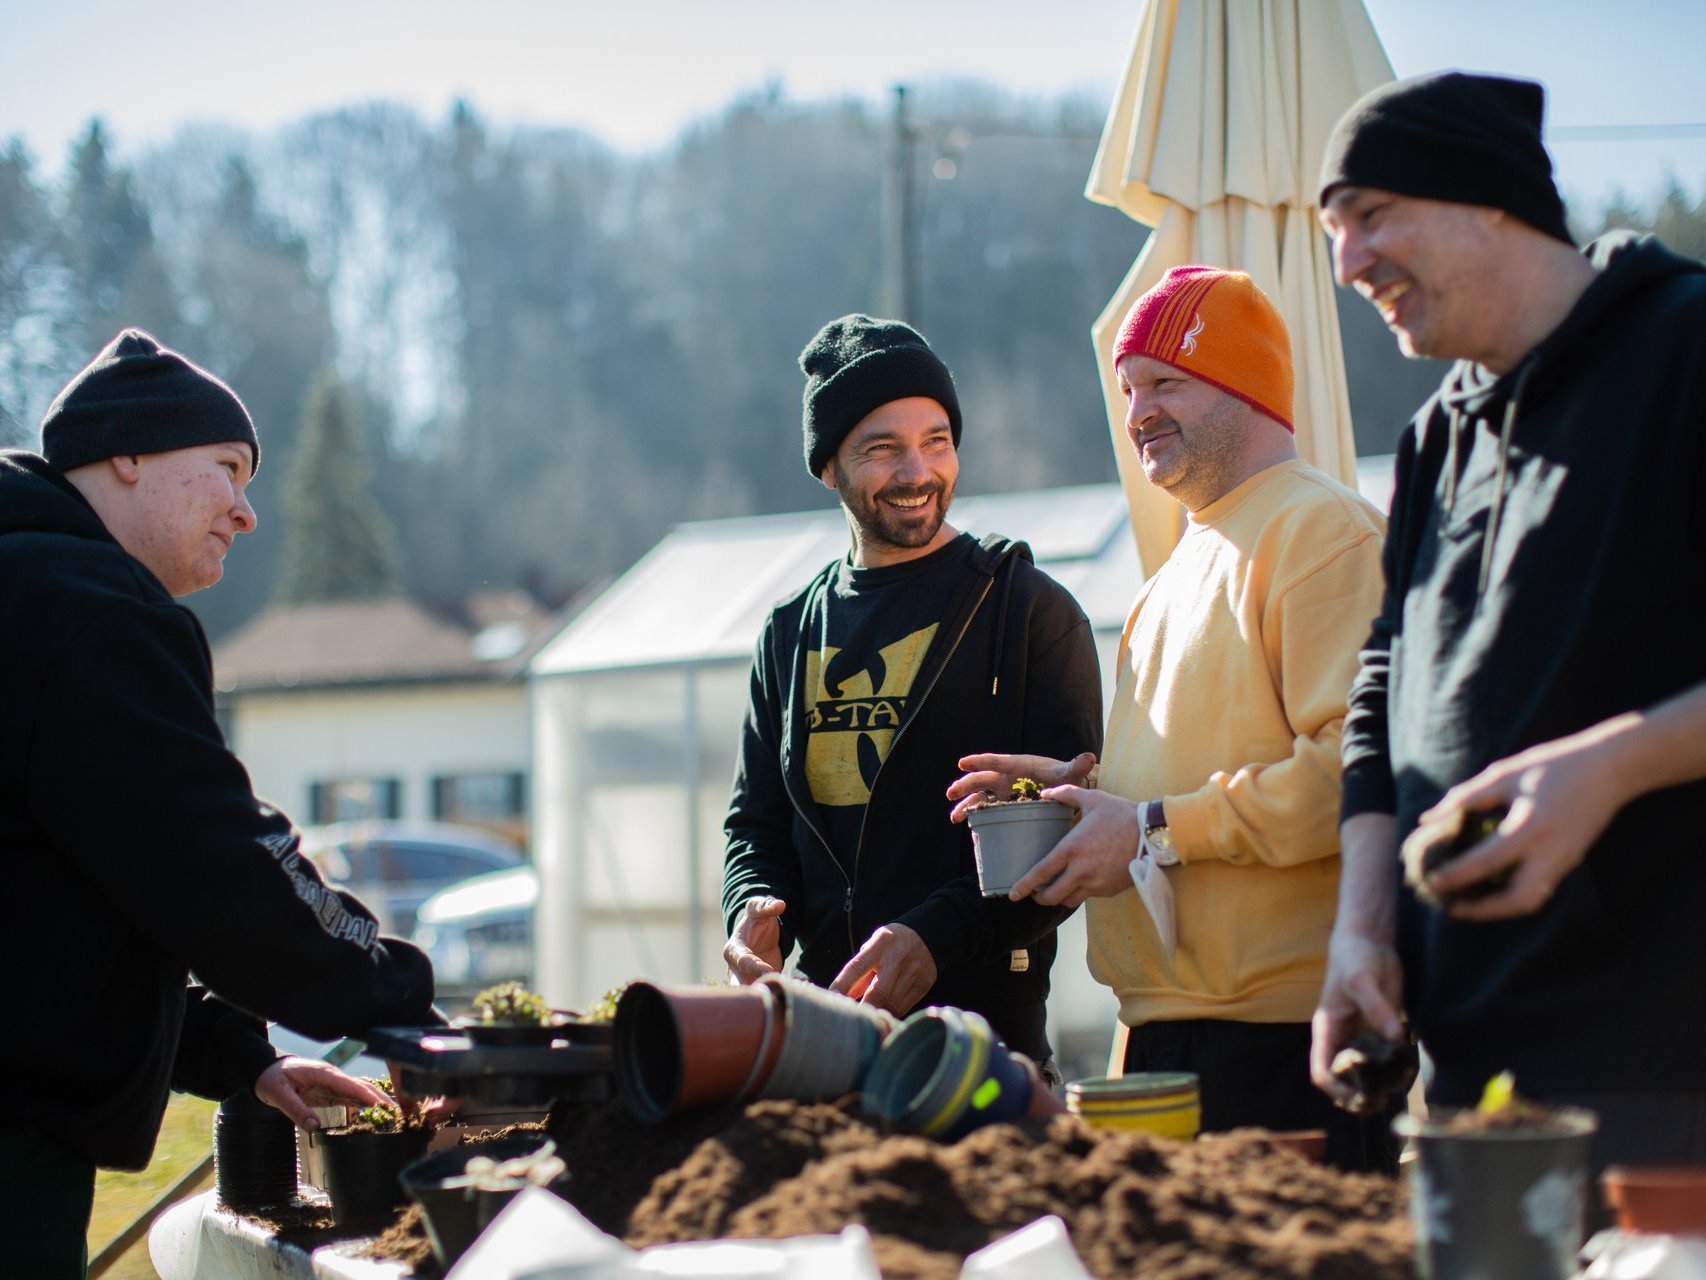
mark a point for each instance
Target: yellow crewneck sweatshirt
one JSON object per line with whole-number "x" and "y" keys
{"x": 1230, "y": 697}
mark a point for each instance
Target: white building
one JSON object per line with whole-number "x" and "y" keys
{"x": 380, "y": 709}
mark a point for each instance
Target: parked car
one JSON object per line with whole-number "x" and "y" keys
{"x": 480, "y": 932}
{"x": 394, "y": 867}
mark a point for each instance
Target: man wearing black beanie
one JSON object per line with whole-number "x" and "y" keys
{"x": 135, "y": 850}
{"x": 1529, "y": 662}
{"x": 869, "y": 684}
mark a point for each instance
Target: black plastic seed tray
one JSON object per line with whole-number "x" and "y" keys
{"x": 444, "y": 1061}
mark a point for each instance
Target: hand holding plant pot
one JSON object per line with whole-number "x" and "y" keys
{"x": 993, "y": 775}
{"x": 1093, "y": 859}
{"x": 364, "y": 1158}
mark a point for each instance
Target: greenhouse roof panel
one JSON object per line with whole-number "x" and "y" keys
{"x": 702, "y": 594}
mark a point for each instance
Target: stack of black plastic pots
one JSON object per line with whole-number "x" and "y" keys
{"x": 254, "y": 1154}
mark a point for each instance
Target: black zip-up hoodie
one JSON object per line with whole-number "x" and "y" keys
{"x": 1546, "y": 551}
{"x": 134, "y": 851}
{"x": 1012, "y": 668}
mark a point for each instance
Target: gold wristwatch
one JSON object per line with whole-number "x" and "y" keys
{"x": 1157, "y": 838}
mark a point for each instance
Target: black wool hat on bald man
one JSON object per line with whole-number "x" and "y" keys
{"x": 857, "y": 364}
{"x": 140, "y": 397}
{"x": 1454, "y": 136}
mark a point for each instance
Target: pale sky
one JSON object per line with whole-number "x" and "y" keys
{"x": 633, "y": 73}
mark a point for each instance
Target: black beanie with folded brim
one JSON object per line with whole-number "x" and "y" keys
{"x": 138, "y": 396}
{"x": 1454, "y": 136}
{"x": 857, "y": 364}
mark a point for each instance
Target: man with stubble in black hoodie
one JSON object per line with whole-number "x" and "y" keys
{"x": 1532, "y": 659}
{"x": 133, "y": 848}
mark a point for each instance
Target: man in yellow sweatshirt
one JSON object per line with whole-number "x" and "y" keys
{"x": 1221, "y": 757}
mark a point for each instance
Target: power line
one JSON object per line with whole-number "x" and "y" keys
{"x": 1623, "y": 132}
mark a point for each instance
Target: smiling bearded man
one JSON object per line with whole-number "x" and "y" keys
{"x": 867, "y": 687}
{"x": 1221, "y": 777}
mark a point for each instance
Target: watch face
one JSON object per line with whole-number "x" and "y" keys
{"x": 1161, "y": 845}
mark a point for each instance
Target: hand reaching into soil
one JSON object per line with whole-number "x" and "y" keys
{"x": 998, "y": 773}
{"x": 755, "y": 947}
{"x": 892, "y": 971}
{"x": 296, "y": 1086}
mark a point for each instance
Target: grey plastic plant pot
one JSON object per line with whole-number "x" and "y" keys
{"x": 1499, "y": 1204}
{"x": 1009, "y": 839}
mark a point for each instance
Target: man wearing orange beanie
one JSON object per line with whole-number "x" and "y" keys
{"x": 1220, "y": 773}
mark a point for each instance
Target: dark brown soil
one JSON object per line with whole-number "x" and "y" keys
{"x": 1232, "y": 1207}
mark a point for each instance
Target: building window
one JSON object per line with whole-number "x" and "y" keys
{"x": 345, "y": 799}
{"x": 480, "y": 799}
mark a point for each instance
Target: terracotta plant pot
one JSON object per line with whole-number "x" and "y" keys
{"x": 944, "y": 1074}
{"x": 678, "y": 1047}
{"x": 1509, "y": 1203}
{"x": 456, "y": 1215}
{"x": 363, "y": 1168}
{"x": 1010, "y": 838}
{"x": 1662, "y": 1200}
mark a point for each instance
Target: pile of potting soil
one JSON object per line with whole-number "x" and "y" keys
{"x": 1231, "y": 1207}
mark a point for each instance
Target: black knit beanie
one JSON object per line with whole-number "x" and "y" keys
{"x": 1469, "y": 139}
{"x": 140, "y": 397}
{"x": 857, "y": 364}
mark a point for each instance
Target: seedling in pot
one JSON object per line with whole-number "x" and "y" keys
{"x": 1433, "y": 844}
{"x": 510, "y": 1004}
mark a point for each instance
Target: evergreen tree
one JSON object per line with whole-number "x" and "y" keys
{"x": 340, "y": 546}
{"x": 109, "y": 243}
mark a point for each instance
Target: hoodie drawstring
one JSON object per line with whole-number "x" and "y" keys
{"x": 1001, "y": 623}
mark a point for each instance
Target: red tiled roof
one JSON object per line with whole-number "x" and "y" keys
{"x": 356, "y": 642}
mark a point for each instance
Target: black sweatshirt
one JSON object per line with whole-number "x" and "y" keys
{"x": 1003, "y": 618}
{"x": 1575, "y": 608}
{"x": 134, "y": 851}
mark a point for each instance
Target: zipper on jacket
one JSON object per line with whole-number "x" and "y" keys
{"x": 865, "y": 818}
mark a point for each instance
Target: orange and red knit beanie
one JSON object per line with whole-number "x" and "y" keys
{"x": 1218, "y": 327}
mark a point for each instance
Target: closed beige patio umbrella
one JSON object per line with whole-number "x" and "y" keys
{"x": 1214, "y": 140}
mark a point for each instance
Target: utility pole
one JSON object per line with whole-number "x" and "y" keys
{"x": 898, "y": 294}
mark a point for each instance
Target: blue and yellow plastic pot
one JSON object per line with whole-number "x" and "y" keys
{"x": 1165, "y": 1103}
{"x": 944, "y": 1073}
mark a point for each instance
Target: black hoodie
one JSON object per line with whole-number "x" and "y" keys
{"x": 1547, "y": 547}
{"x": 134, "y": 851}
{"x": 1012, "y": 668}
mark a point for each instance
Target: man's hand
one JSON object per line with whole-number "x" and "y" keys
{"x": 1362, "y": 991}
{"x": 997, "y": 773}
{"x": 892, "y": 970}
{"x": 1560, "y": 798}
{"x": 755, "y": 947}
{"x": 1094, "y": 858}
{"x": 296, "y": 1086}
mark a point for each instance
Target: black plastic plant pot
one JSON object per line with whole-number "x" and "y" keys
{"x": 1499, "y": 1204}
{"x": 254, "y": 1154}
{"x": 510, "y": 1034}
{"x": 362, "y": 1170}
{"x": 456, "y": 1215}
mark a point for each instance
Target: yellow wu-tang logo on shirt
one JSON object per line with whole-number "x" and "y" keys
{"x": 853, "y": 714}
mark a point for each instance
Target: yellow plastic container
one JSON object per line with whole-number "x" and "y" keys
{"x": 1165, "y": 1103}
